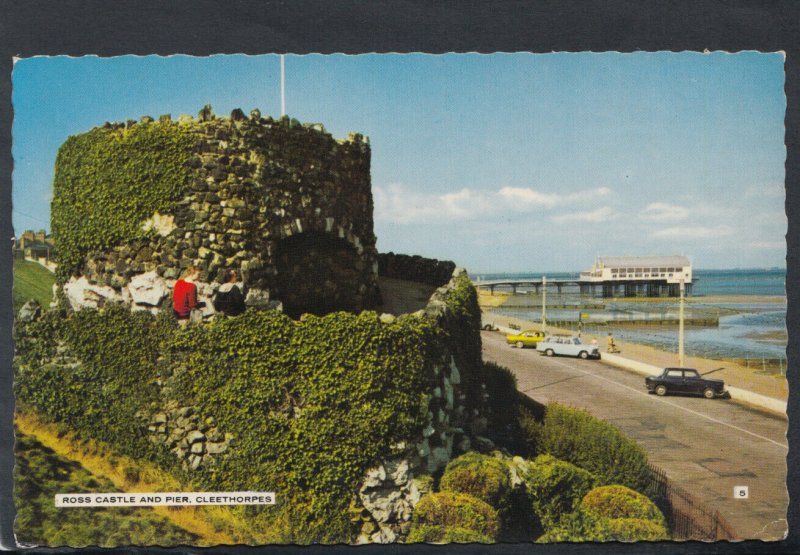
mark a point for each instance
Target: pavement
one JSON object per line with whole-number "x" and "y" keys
{"x": 705, "y": 446}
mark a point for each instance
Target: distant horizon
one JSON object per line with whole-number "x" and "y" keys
{"x": 755, "y": 268}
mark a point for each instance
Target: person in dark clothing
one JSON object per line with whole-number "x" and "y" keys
{"x": 229, "y": 299}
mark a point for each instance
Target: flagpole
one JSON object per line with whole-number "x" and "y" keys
{"x": 283, "y": 95}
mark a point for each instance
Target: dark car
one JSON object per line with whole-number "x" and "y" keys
{"x": 684, "y": 380}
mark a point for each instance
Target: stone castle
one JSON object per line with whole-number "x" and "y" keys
{"x": 285, "y": 204}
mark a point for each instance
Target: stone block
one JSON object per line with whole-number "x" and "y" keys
{"x": 195, "y": 436}
{"x": 147, "y": 289}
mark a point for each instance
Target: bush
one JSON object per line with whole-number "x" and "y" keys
{"x": 556, "y": 488}
{"x": 453, "y": 511}
{"x": 580, "y": 527}
{"x": 578, "y": 437}
{"x": 632, "y": 530}
{"x": 440, "y": 534}
{"x": 619, "y": 502}
{"x": 481, "y": 476}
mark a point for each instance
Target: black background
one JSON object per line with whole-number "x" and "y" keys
{"x": 203, "y": 27}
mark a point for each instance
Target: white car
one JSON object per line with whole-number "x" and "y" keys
{"x": 567, "y": 346}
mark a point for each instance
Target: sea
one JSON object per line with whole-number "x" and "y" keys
{"x": 749, "y": 329}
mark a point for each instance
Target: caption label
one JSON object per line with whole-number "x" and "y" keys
{"x": 741, "y": 492}
{"x": 169, "y": 499}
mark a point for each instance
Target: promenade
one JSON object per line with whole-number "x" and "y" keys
{"x": 735, "y": 375}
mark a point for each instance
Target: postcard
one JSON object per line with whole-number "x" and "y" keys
{"x": 399, "y": 298}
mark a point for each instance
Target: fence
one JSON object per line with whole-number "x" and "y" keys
{"x": 688, "y": 518}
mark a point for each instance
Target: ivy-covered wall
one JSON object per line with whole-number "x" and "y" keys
{"x": 337, "y": 414}
{"x": 220, "y": 193}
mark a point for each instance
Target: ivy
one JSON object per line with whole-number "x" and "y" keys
{"x": 109, "y": 181}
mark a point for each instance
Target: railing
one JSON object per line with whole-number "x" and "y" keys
{"x": 687, "y": 517}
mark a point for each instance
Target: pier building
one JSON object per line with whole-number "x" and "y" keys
{"x": 631, "y": 276}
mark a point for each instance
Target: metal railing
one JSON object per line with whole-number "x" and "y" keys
{"x": 687, "y": 517}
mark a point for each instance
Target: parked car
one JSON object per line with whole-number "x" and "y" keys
{"x": 525, "y": 339}
{"x": 567, "y": 346}
{"x": 684, "y": 380}
{"x": 490, "y": 327}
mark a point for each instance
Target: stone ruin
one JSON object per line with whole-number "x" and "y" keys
{"x": 285, "y": 204}
{"x": 291, "y": 209}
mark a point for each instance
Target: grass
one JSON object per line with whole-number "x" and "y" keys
{"x": 32, "y": 281}
{"x": 40, "y": 473}
{"x": 210, "y": 525}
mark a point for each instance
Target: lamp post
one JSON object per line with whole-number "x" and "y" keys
{"x": 680, "y": 326}
{"x": 544, "y": 304}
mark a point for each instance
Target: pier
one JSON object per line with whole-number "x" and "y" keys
{"x": 638, "y": 288}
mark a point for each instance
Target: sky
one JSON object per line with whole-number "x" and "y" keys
{"x": 501, "y": 162}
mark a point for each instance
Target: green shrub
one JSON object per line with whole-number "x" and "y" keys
{"x": 481, "y": 476}
{"x": 632, "y": 530}
{"x": 619, "y": 502}
{"x": 580, "y": 527}
{"x": 576, "y": 436}
{"x": 556, "y": 488}
{"x": 108, "y": 181}
{"x": 440, "y": 534}
{"x": 451, "y": 510}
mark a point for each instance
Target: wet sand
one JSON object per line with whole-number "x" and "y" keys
{"x": 734, "y": 374}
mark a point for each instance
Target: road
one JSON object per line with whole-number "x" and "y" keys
{"x": 705, "y": 446}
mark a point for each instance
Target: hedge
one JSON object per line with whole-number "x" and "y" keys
{"x": 580, "y": 527}
{"x": 481, "y": 476}
{"x": 615, "y": 502}
{"x": 109, "y": 181}
{"x": 442, "y": 534}
{"x": 453, "y": 511}
{"x": 556, "y": 488}
{"x": 576, "y": 436}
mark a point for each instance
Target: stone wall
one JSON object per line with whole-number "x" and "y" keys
{"x": 453, "y": 424}
{"x": 258, "y": 185}
{"x": 415, "y": 268}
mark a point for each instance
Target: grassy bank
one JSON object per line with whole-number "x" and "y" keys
{"x": 32, "y": 281}
{"x": 209, "y": 525}
{"x": 40, "y": 473}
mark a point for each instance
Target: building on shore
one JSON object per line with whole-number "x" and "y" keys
{"x": 637, "y": 276}
{"x": 35, "y": 246}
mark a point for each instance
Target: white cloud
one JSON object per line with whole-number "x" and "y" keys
{"x": 770, "y": 189}
{"x": 768, "y": 244}
{"x": 662, "y": 212}
{"x": 397, "y": 204}
{"x": 696, "y": 232}
{"x": 599, "y": 215}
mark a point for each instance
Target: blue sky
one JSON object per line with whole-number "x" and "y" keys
{"x": 502, "y": 162}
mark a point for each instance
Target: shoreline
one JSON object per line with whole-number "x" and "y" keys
{"x": 733, "y": 373}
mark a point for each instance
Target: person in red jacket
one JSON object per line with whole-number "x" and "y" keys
{"x": 184, "y": 295}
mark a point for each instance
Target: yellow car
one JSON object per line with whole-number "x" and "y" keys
{"x": 525, "y": 339}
